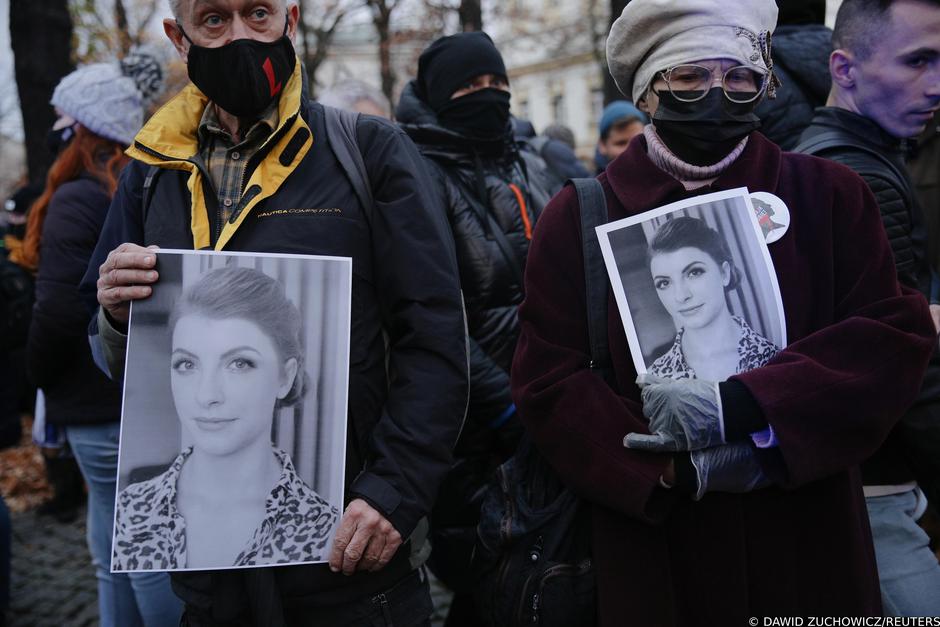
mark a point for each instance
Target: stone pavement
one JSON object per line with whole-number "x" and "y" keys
{"x": 53, "y": 582}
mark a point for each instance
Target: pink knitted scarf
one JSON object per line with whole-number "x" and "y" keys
{"x": 691, "y": 176}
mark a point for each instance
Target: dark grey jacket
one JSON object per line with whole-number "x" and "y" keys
{"x": 801, "y": 61}
{"x": 913, "y": 447}
{"x": 900, "y": 212}
{"x": 58, "y": 358}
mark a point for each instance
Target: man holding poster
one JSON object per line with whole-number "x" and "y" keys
{"x": 715, "y": 502}
{"x": 241, "y": 160}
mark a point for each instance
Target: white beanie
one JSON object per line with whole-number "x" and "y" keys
{"x": 652, "y": 35}
{"x": 109, "y": 98}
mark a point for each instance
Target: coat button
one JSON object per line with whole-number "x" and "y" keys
{"x": 236, "y": 155}
{"x": 227, "y": 202}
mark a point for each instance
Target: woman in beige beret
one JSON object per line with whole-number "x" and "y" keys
{"x": 726, "y": 502}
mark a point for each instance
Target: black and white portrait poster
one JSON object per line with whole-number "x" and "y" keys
{"x": 696, "y": 287}
{"x": 233, "y": 431}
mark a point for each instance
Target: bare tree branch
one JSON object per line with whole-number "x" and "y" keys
{"x": 152, "y": 6}
{"x": 317, "y": 31}
{"x": 382, "y": 20}
{"x": 471, "y": 15}
{"x": 40, "y": 36}
{"x": 611, "y": 91}
{"x": 120, "y": 22}
{"x": 106, "y": 31}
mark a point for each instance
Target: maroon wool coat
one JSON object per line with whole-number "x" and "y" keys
{"x": 858, "y": 349}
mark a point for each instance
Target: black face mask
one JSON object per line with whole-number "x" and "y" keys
{"x": 483, "y": 114}
{"x": 242, "y": 77}
{"x": 705, "y": 131}
{"x": 57, "y": 139}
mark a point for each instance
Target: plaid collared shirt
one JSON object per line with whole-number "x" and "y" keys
{"x": 226, "y": 161}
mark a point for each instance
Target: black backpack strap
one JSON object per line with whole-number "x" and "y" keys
{"x": 830, "y": 140}
{"x": 593, "y": 214}
{"x": 147, "y": 193}
{"x": 496, "y": 231}
{"x": 478, "y": 204}
{"x": 341, "y": 133}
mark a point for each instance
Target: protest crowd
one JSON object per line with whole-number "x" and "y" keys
{"x": 512, "y": 433}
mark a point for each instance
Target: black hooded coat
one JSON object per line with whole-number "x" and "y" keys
{"x": 486, "y": 184}
{"x": 488, "y": 276}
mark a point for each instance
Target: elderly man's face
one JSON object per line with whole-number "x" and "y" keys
{"x": 214, "y": 23}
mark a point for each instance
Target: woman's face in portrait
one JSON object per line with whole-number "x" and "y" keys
{"x": 690, "y": 285}
{"x": 226, "y": 377}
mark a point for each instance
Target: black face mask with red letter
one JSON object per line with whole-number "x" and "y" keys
{"x": 242, "y": 77}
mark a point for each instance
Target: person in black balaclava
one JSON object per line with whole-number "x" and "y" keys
{"x": 463, "y": 80}
{"x": 457, "y": 112}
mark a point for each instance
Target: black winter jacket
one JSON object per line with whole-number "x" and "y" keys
{"x": 491, "y": 287}
{"x": 902, "y": 217}
{"x": 900, "y": 213}
{"x": 801, "y": 61}
{"x": 924, "y": 165}
{"x": 58, "y": 358}
{"x": 408, "y": 363}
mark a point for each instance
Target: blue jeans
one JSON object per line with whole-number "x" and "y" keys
{"x": 124, "y": 599}
{"x": 907, "y": 568}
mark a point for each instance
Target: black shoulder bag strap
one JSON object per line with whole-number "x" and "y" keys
{"x": 496, "y": 232}
{"x": 341, "y": 133}
{"x": 830, "y": 140}
{"x": 491, "y": 227}
{"x": 147, "y": 193}
{"x": 593, "y": 214}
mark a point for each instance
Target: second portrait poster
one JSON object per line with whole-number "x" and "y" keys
{"x": 696, "y": 287}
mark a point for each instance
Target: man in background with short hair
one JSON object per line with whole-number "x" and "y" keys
{"x": 620, "y": 122}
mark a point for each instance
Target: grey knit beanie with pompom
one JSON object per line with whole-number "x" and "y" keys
{"x": 109, "y": 99}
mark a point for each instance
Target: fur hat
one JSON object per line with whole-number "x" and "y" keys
{"x": 110, "y": 99}
{"x": 652, "y": 35}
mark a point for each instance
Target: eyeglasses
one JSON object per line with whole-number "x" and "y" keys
{"x": 689, "y": 83}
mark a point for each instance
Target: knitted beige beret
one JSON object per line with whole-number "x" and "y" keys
{"x": 652, "y": 35}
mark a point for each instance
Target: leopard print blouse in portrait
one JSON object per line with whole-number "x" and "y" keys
{"x": 150, "y": 533}
{"x": 754, "y": 351}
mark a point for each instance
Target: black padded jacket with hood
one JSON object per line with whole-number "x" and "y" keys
{"x": 513, "y": 190}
